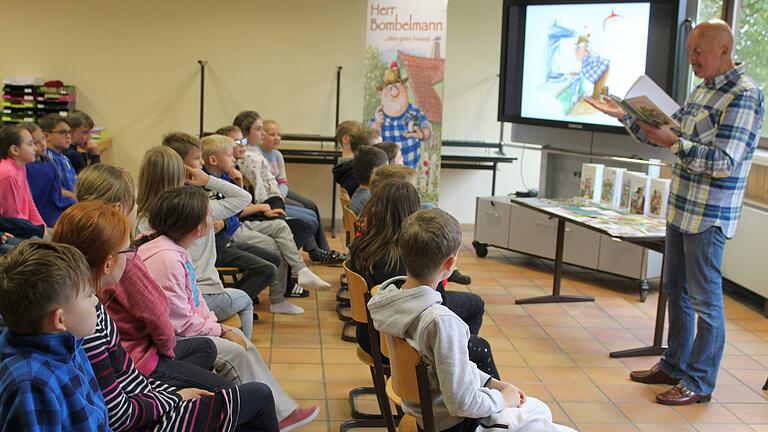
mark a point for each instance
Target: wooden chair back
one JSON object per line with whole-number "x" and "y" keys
{"x": 357, "y": 289}
{"x": 409, "y": 378}
{"x": 344, "y": 197}
{"x": 349, "y": 223}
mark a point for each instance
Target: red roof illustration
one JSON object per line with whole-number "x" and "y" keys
{"x": 423, "y": 74}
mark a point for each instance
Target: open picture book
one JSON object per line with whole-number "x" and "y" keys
{"x": 648, "y": 103}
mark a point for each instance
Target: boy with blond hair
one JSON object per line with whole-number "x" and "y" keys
{"x": 273, "y": 234}
{"x": 410, "y": 308}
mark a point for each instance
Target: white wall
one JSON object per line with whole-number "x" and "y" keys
{"x": 135, "y": 67}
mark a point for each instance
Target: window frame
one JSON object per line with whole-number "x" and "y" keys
{"x": 731, "y": 9}
{"x": 730, "y": 14}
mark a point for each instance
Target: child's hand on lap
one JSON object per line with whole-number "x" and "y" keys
{"x": 196, "y": 177}
{"x": 273, "y": 213}
{"x": 193, "y": 393}
{"x": 513, "y": 396}
{"x": 234, "y": 337}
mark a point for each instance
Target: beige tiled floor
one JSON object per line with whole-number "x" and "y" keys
{"x": 556, "y": 352}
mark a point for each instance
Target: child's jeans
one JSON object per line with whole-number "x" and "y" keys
{"x": 232, "y": 301}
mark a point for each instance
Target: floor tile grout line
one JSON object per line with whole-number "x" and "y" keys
{"x": 568, "y": 355}
{"x": 322, "y": 362}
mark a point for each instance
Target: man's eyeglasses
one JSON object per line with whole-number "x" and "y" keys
{"x": 63, "y": 132}
{"x": 241, "y": 141}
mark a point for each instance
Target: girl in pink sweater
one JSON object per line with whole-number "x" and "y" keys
{"x": 134, "y": 402}
{"x": 16, "y": 150}
{"x": 178, "y": 217}
{"x": 138, "y": 304}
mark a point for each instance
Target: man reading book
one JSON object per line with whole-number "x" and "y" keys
{"x": 713, "y": 147}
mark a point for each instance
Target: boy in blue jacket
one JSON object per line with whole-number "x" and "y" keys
{"x": 48, "y": 304}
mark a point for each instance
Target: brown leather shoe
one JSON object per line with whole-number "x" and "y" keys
{"x": 654, "y": 375}
{"x": 681, "y": 395}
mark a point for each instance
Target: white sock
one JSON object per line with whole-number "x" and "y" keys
{"x": 286, "y": 308}
{"x": 311, "y": 280}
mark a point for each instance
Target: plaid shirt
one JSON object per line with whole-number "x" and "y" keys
{"x": 719, "y": 130}
{"x": 593, "y": 67}
{"x": 46, "y": 384}
{"x": 394, "y": 129}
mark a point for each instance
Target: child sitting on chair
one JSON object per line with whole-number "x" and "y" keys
{"x": 410, "y": 308}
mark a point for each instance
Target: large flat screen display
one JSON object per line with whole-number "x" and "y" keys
{"x": 555, "y": 54}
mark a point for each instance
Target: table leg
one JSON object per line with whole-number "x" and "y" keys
{"x": 556, "y": 297}
{"x": 658, "y": 333}
{"x": 493, "y": 181}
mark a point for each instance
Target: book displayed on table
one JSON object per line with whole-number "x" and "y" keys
{"x": 591, "y": 181}
{"x": 639, "y": 187}
{"x": 659, "y": 194}
{"x": 610, "y": 192}
{"x": 647, "y": 102}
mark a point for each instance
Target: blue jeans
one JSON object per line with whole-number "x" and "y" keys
{"x": 693, "y": 282}
{"x": 232, "y": 301}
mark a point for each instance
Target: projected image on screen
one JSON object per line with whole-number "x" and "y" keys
{"x": 578, "y": 51}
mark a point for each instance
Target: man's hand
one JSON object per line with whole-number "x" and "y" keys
{"x": 235, "y": 337}
{"x": 218, "y": 226}
{"x": 273, "y": 213}
{"x": 4, "y": 238}
{"x": 193, "y": 393}
{"x": 418, "y": 133}
{"x": 196, "y": 177}
{"x": 607, "y": 106}
{"x": 92, "y": 147}
{"x": 663, "y": 137}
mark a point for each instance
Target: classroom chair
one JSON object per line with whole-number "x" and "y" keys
{"x": 359, "y": 297}
{"x": 409, "y": 382}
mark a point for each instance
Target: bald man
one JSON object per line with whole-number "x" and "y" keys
{"x": 719, "y": 130}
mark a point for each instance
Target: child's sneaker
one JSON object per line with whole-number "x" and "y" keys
{"x": 298, "y": 418}
{"x": 296, "y": 292}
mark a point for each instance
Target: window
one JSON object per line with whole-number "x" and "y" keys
{"x": 751, "y": 31}
{"x": 709, "y": 9}
{"x": 705, "y": 11}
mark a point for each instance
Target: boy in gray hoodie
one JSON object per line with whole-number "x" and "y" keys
{"x": 464, "y": 398}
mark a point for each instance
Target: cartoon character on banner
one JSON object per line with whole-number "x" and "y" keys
{"x": 398, "y": 120}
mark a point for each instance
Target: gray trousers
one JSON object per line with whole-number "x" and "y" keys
{"x": 240, "y": 366}
{"x": 273, "y": 235}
